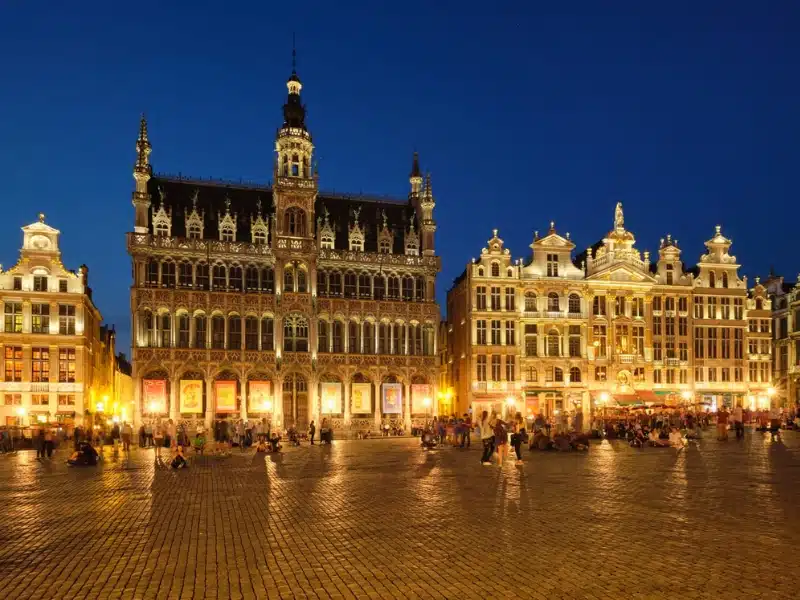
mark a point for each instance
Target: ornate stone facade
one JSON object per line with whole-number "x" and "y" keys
{"x": 287, "y": 294}
{"x": 557, "y": 334}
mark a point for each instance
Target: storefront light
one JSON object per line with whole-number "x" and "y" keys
{"x": 267, "y": 405}
{"x": 99, "y": 407}
{"x": 604, "y": 397}
{"x": 20, "y": 411}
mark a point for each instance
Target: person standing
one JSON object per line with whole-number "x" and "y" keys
{"x": 738, "y": 422}
{"x": 40, "y": 443}
{"x": 127, "y": 434}
{"x": 49, "y": 443}
{"x": 115, "y": 435}
{"x": 517, "y": 432}
{"x": 722, "y": 424}
{"x": 487, "y": 438}
{"x": 500, "y": 440}
{"x": 774, "y": 423}
{"x": 466, "y": 431}
{"x": 578, "y": 422}
{"x": 158, "y": 438}
{"x": 312, "y": 429}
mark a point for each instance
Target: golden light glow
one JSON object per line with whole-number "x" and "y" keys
{"x": 604, "y": 397}
{"x": 686, "y": 395}
{"x": 21, "y": 411}
{"x": 267, "y": 405}
{"x": 427, "y": 402}
{"x": 511, "y": 401}
{"x": 99, "y": 407}
{"x": 771, "y": 391}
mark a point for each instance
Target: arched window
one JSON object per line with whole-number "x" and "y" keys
{"x": 219, "y": 280}
{"x": 182, "y": 339}
{"x": 323, "y": 336}
{"x": 235, "y": 278}
{"x": 364, "y": 286}
{"x": 251, "y": 333}
{"x": 724, "y": 280}
{"x": 162, "y": 229}
{"x": 408, "y": 288}
{"x": 259, "y": 236}
{"x": 294, "y": 221}
{"x": 251, "y": 279}
{"x": 368, "y": 337}
{"x": 194, "y": 231}
{"x": 151, "y": 273}
{"x": 384, "y": 338}
{"x": 288, "y": 278}
{"x": 510, "y": 272}
{"x": 147, "y": 325}
{"x": 481, "y": 272}
{"x": 226, "y": 233}
{"x": 322, "y": 283}
{"x": 553, "y": 344}
{"x": 530, "y": 302}
{"x": 295, "y": 334}
{"x": 218, "y": 332}
{"x": 419, "y": 289}
{"x": 394, "y": 288}
{"x": 267, "y": 333}
{"x": 267, "y": 280}
{"x": 712, "y": 279}
{"x": 495, "y": 269}
{"x": 574, "y": 304}
{"x": 302, "y": 281}
{"x": 337, "y": 330}
{"x": 295, "y": 165}
{"x": 350, "y": 285}
{"x": 575, "y": 374}
{"x": 200, "y": 331}
{"x": 385, "y": 246}
{"x": 168, "y": 274}
{"x": 759, "y": 304}
{"x": 165, "y": 330}
{"x": 379, "y": 287}
{"x": 353, "y": 342}
{"x": 234, "y": 332}
{"x": 201, "y": 276}
{"x": 335, "y": 284}
{"x": 427, "y": 340}
{"x": 185, "y": 274}
{"x": 558, "y": 374}
{"x": 552, "y": 302}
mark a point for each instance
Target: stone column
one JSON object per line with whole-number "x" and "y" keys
{"x": 137, "y": 402}
{"x": 277, "y": 403}
{"x": 244, "y": 398}
{"x": 407, "y": 406}
{"x": 174, "y": 412}
{"x": 347, "y": 403}
{"x": 210, "y": 402}
{"x": 377, "y": 387}
{"x": 313, "y": 401}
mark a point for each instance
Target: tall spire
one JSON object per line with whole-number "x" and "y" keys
{"x": 143, "y": 148}
{"x": 141, "y": 175}
{"x": 294, "y": 113}
{"x": 415, "y": 179}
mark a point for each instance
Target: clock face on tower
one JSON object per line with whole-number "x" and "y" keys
{"x": 40, "y": 242}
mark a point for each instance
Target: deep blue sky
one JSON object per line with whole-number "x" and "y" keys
{"x": 686, "y": 112}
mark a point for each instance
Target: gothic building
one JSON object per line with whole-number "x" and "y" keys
{"x": 609, "y": 326}
{"x": 282, "y": 301}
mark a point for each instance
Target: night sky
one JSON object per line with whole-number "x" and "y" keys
{"x": 686, "y": 113}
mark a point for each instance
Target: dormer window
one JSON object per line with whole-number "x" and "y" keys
{"x": 385, "y": 246}
{"x": 356, "y": 245}
{"x": 495, "y": 269}
{"x": 259, "y": 237}
{"x": 412, "y": 249}
{"x": 670, "y": 274}
{"x": 326, "y": 242}
{"x": 226, "y": 234}
{"x": 162, "y": 229}
{"x": 194, "y": 232}
{"x": 552, "y": 265}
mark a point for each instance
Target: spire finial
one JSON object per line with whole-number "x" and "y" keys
{"x": 258, "y": 205}
{"x": 619, "y": 217}
{"x": 415, "y": 165}
{"x": 143, "y": 147}
{"x": 41, "y": 217}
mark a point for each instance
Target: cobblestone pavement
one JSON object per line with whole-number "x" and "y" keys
{"x": 382, "y": 519}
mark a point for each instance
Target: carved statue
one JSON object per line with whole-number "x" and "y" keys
{"x": 619, "y": 218}
{"x": 162, "y": 194}
{"x": 194, "y": 197}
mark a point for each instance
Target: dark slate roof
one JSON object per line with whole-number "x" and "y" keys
{"x": 244, "y": 197}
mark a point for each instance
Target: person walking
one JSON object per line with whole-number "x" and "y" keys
{"x": 487, "y": 438}
{"x": 722, "y": 424}
{"x": 501, "y": 440}
{"x": 39, "y": 443}
{"x": 127, "y": 434}
{"x": 148, "y": 434}
{"x": 517, "y": 433}
{"x": 49, "y": 443}
{"x": 774, "y": 423}
{"x": 312, "y": 429}
{"x": 115, "y": 435}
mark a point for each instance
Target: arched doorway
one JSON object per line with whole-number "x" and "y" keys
{"x": 295, "y": 401}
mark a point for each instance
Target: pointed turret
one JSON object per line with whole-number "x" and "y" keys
{"x": 415, "y": 178}
{"x": 142, "y": 172}
{"x": 427, "y": 204}
{"x": 293, "y": 144}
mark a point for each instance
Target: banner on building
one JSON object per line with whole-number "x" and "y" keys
{"x": 419, "y": 393}
{"x": 191, "y": 393}
{"x": 225, "y": 394}
{"x": 260, "y": 396}
{"x": 331, "y": 397}
{"x": 392, "y": 398}
{"x": 361, "y": 398}
{"x": 531, "y": 406}
{"x": 154, "y": 396}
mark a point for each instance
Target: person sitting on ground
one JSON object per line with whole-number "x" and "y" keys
{"x": 179, "y": 462}
{"x": 261, "y": 445}
{"x": 274, "y": 441}
{"x": 199, "y": 442}
{"x": 654, "y": 438}
{"x": 579, "y": 441}
{"x": 561, "y": 442}
{"x": 676, "y": 440}
{"x": 639, "y": 439}
{"x": 84, "y": 456}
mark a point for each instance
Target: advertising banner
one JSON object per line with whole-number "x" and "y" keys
{"x": 331, "y": 397}
{"x": 392, "y": 398}
{"x": 260, "y": 396}
{"x": 225, "y": 393}
{"x": 361, "y": 398}
{"x": 420, "y": 391}
{"x": 154, "y": 396}
{"x": 191, "y": 393}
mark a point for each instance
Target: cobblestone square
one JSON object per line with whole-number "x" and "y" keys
{"x": 382, "y": 519}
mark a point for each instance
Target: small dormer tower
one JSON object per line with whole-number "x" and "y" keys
{"x": 162, "y": 217}
{"x": 195, "y": 220}
{"x": 355, "y": 234}
{"x": 325, "y": 231}
{"x": 227, "y": 223}
{"x": 385, "y": 236}
{"x": 411, "y": 240}
{"x": 259, "y": 228}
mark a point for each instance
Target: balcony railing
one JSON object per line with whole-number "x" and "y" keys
{"x": 554, "y": 314}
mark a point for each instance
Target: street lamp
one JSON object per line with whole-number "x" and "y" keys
{"x": 686, "y": 395}
{"x": 427, "y": 402}
{"x": 604, "y": 397}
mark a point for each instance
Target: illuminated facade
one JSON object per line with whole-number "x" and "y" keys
{"x": 282, "y": 301}
{"x": 786, "y": 351}
{"x": 57, "y": 360}
{"x": 560, "y": 334}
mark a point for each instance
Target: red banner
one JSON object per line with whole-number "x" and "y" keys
{"x": 154, "y": 396}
